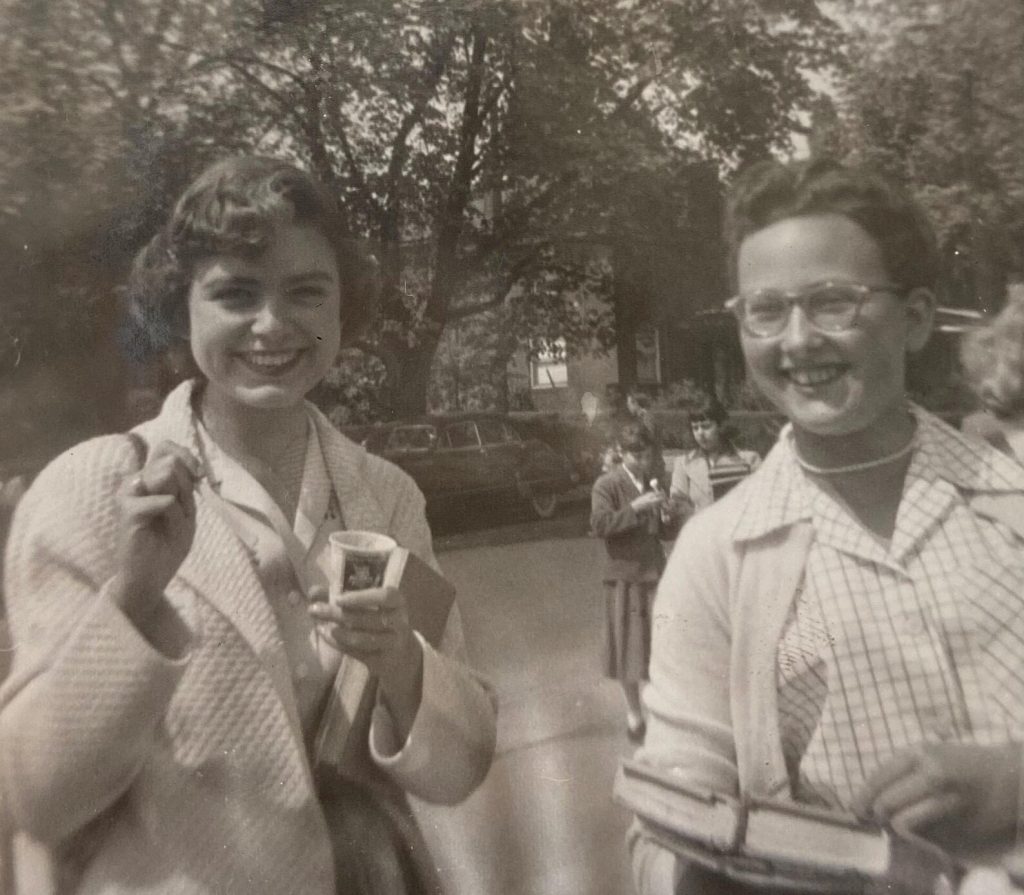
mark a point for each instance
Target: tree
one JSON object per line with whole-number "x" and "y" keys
{"x": 93, "y": 127}
{"x": 481, "y": 156}
{"x": 933, "y": 94}
{"x": 479, "y": 145}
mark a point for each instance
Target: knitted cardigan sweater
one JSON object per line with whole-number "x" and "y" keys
{"x": 190, "y": 775}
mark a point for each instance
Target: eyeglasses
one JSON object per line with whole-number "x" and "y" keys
{"x": 829, "y": 307}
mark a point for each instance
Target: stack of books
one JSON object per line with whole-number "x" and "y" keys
{"x": 782, "y": 845}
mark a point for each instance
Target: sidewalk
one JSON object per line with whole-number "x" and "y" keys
{"x": 543, "y": 823}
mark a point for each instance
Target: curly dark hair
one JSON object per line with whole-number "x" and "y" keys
{"x": 634, "y": 438}
{"x": 770, "y": 191}
{"x": 233, "y": 208}
{"x": 993, "y": 359}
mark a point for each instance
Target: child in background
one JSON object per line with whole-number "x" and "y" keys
{"x": 630, "y": 510}
{"x": 707, "y": 472}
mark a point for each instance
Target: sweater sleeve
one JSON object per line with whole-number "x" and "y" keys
{"x": 606, "y": 516}
{"x": 450, "y": 746}
{"x": 81, "y": 708}
{"x": 689, "y": 726}
{"x": 680, "y": 489}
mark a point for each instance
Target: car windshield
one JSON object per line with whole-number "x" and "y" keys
{"x": 412, "y": 438}
{"x": 461, "y": 435}
{"x": 511, "y": 435}
{"x": 491, "y": 431}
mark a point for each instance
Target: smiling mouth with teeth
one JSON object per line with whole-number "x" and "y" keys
{"x": 815, "y": 376}
{"x": 270, "y": 360}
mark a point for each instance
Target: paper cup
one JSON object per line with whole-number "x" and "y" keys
{"x": 358, "y": 560}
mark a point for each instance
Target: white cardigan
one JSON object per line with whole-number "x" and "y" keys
{"x": 202, "y": 758}
{"x": 720, "y": 610}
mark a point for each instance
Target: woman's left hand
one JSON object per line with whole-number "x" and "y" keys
{"x": 972, "y": 789}
{"x": 373, "y": 626}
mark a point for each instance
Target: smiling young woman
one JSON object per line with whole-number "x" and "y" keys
{"x": 175, "y": 652}
{"x": 845, "y": 382}
{"x": 842, "y": 627}
{"x": 264, "y": 331}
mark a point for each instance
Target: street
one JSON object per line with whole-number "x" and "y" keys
{"x": 543, "y": 823}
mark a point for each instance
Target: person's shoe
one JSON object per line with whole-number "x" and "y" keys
{"x": 635, "y": 729}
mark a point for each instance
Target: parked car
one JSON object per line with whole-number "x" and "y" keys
{"x": 475, "y": 455}
{"x": 582, "y": 444}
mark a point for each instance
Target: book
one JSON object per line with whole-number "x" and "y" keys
{"x": 773, "y": 843}
{"x": 429, "y": 597}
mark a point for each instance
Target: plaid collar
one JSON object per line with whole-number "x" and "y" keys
{"x": 779, "y": 494}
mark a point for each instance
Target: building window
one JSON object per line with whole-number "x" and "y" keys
{"x": 549, "y": 369}
{"x": 648, "y": 356}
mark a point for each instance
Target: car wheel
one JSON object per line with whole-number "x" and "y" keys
{"x": 544, "y": 505}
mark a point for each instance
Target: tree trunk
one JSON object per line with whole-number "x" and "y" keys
{"x": 624, "y": 301}
{"x": 409, "y": 378}
{"x": 499, "y": 380}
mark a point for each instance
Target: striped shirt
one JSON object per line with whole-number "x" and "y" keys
{"x": 726, "y": 471}
{"x": 887, "y": 646}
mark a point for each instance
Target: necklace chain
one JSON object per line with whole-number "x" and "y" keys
{"x": 271, "y": 475}
{"x": 856, "y": 467}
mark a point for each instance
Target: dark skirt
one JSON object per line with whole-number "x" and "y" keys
{"x": 627, "y": 629}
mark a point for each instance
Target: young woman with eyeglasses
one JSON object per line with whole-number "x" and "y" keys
{"x": 843, "y": 629}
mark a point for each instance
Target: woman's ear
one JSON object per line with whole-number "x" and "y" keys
{"x": 919, "y": 308}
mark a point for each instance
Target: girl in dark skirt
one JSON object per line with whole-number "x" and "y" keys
{"x": 630, "y": 510}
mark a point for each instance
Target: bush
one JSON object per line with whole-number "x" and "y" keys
{"x": 680, "y": 395}
{"x": 353, "y": 392}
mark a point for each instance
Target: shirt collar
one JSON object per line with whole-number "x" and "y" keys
{"x": 234, "y": 483}
{"x": 778, "y": 494}
{"x": 970, "y": 465}
{"x": 774, "y": 496}
{"x": 315, "y": 493}
{"x": 228, "y": 477}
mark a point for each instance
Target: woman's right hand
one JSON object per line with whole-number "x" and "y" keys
{"x": 649, "y": 500}
{"x": 157, "y": 527}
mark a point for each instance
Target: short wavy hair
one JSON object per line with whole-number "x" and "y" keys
{"x": 233, "y": 208}
{"x": 993, "y": 359}
{"x": 707, "y": 407}
{"x": 770, "y": 191}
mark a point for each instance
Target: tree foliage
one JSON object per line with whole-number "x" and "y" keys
{"x": 935, "y": 95}
{"x": 480, "y": 146}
